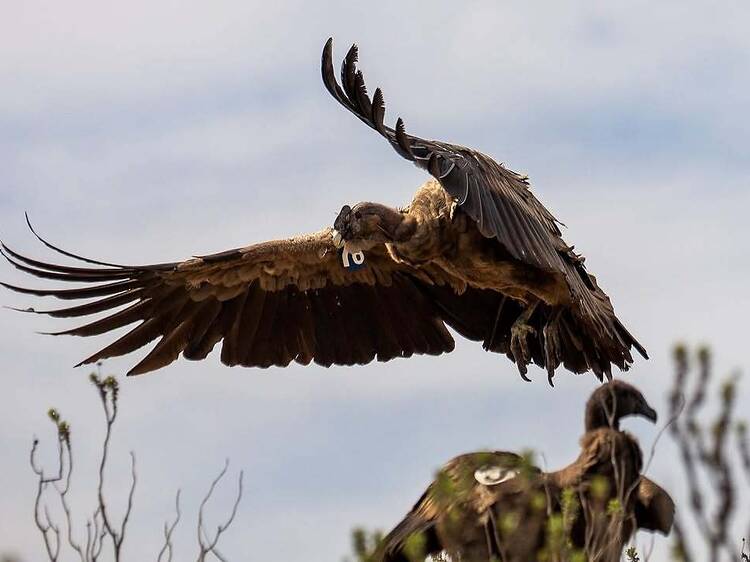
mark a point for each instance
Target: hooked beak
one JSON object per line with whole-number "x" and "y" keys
{"x": 648, "y": 412}
{"x": 341, "y": 228}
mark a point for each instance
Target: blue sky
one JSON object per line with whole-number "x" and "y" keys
{"x": 147, "y": 132}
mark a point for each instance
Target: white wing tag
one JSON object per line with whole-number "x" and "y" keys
{"x": 491, "y": 475}
{"x": 352, "y": 260}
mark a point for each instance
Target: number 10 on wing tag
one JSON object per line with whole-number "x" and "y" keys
{"x": 352, "y": 260}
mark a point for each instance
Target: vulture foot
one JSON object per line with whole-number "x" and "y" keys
{"x": 519, "y": 346}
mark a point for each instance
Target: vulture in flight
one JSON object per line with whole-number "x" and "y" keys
{"x": 474, "y": 251}
{"x": 498, "y": 506}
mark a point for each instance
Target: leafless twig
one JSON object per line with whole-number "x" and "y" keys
{"x": 49, "y": 530}
{"x": 206, "y": 544}
{"x": 708, "y": 457}
{"x": 100, "y": 527}
{"x": 168, "y": 547}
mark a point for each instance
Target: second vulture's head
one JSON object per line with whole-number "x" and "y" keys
{"x": 613, "y": 401}
{"x": 368, "y": 224}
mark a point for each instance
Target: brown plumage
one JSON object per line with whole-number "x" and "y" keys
{"x": 474, "y": 251}
{"x": 498, "y": 504}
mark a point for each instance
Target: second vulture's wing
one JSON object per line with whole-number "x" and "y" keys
{"x": 654, "y": 508}
{"x": 464, "y": 489}
{"x": 269, "y": 304}
{"x": 503, "y": 207}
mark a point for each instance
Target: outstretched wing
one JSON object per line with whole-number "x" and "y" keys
{"x": 498, "y": 199}
{"x": 501, "y": 203}
{"x": 269, "y": 304}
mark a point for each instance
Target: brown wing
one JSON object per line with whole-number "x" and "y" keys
{"x": 504, "y": 208}
{"x": 269, "y": 304}
{"x": 455, "y": 494}
{"x": 498, "y": 199}
{"x": 654, "y": 508}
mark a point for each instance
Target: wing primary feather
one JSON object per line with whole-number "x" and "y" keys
{"x": 402, "y": 139}
{"x": 348, "y": 74}
{"x": 388, "y": 345}
{"x": 92, "y": 307}
{"x": 305, "y": 330}
{"x": 631, "y": 339}
{"x": 336, "y": 335}
{"x": 202, "y": 324}
{"x": 228, "y": 255}
{"x": 230, "y": 349}
{"x": 282, "y": 338}
{"x": 378, "y": 111}
{"x": 260, "y": 352}
{"x": 290, "y": 324}
{"x": 363, "y": 100}
{"x": 66, "y": 253}
{"x": 71, "y": 277}
{"x": 206, "y": 339}
{"x": 352, "y": 94}
{"x": 329, "y": 76}
{"x": 61, "y": 268}
{"x": 133, "y": 313}
{"x": 141, "y": 310}
{"x": 325, "y": 353}
{"x": 172, "y": 343}
{"x": 82, "y": 293}
{"x": 251, "y": 319}
{"x": 359, "y": 341}
{"x": 139, "y": 336}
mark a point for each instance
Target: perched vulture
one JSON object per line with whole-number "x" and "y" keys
{"x": 474, "y": 250}
{"x": 498, "y": 506}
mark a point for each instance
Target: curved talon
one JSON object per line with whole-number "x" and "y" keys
{"x": 519, "y": 346}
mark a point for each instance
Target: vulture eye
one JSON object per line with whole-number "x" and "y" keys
{"x": 357, "y": 215}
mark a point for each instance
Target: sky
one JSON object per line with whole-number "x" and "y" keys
{"x": 146, "y": 132}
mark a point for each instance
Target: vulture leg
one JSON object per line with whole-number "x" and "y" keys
{"x": 488, "y": 343}
{"x": 552, "y": 344}
{"x": 519, "y": 347}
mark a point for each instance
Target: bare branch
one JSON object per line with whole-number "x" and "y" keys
{"x": 207, "y": 545}
{"x": 110, "y": 414}
{"x": 131, "y": 494}
{"x": 49, "y": 531}
{"x": 743, "y": 444}
{"x": 169, "y": 530}
{"x": 63, "y": 493}
{"x": 99, "y": 527}
{"x": 710, "y": 456}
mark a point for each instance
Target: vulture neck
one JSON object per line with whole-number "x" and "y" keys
{"x": 596, "y": 416}
{"x": 399, "y": 226}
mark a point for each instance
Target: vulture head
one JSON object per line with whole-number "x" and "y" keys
{"x": 368, "y": 224}
{"x": 613, "y": 401}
